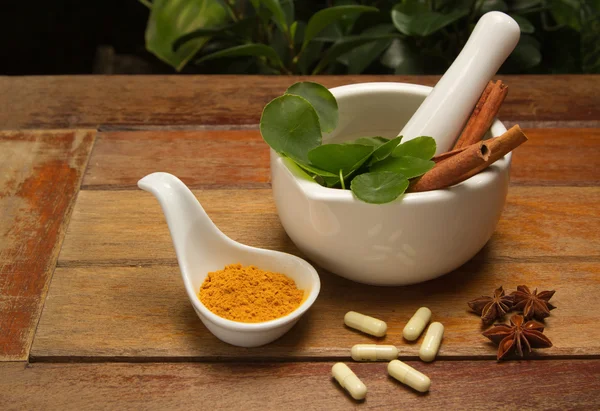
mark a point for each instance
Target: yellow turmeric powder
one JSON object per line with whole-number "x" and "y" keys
{"x": 249, "y": 294}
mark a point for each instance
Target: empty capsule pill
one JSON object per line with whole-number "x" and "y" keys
{"x": 409, "y": 376}
{"x": 374, "y": 352}
{"x": 415, "y": 326}
{"x": 349, "y": 381}
{"x": 365, "y": 323}
{"x": 431, "y": 342}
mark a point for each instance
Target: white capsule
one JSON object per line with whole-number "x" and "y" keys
{"x": 431, "y": 342}
{"x": 415, "y": 326}
{"x": 365, "y": 323}
{"x": 374, "y": 352}
{"x": 349, "y": 381}
{"x": 409, "y": 376}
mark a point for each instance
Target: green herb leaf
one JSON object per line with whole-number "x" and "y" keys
{"x": 170, "y": 19}
{"x": 290, "y": 125}
{"x": 370, "y": 141}
{"x": 410, "y": 167}
{"x": 415, "y": 19}
{"x": 330, "y": 15}
{"x": 251, "y": 49}
{"x": 336, "y": 157}
{"x": 331, "y": 182}
{"x": 315, "y": 170}
{"x": 379, "y": 188}
{"x": 385, "y": 150}
{"x": 321, "y": 99}
{"x": 420, "y": 147}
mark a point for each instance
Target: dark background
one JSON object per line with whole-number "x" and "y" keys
{"x": 61, "y": 37}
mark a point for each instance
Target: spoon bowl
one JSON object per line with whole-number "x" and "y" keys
{"x": 202, "y": 248}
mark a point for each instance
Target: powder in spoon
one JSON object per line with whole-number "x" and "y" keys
{"x": 249, "y": 294}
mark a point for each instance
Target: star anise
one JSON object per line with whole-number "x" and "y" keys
{"x": 533, "y": 305}
{"x": 491, "y": 308}
{"x": 512, "y": 338}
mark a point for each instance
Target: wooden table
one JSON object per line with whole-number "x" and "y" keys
{"x": 92, "y": 307}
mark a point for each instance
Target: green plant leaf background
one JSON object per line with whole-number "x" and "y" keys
{"x": 328, "y": 16}
{"x": 171, "y": 19}
{"x": 245, "y": 50}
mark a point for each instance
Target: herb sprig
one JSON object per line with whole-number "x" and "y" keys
{"x": 378, "y": 170}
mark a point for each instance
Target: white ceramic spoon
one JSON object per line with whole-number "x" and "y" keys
{"x": 201, "y": 248}
{"x": 445, "y": 111}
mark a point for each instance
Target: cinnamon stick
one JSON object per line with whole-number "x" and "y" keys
{"x": 447, "y": 154}
{"x": 483, "y": 114}
{"x": 448, "y": 172}
{"x": 469, "y": 161}
{"x": 501, "y": 146}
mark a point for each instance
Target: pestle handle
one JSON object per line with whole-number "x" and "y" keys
{"x": 445, "y": 111}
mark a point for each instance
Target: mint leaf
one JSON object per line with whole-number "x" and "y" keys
{"x": 410, "y": 167}
{"x": 420, "y": 147}
{"x": 322, "y": 101}
{"x": 290, "y": 125}
{"x": 379, "y": 188}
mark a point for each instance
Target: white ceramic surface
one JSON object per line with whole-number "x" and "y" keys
{"x": 201, "y": 248}
{"x": 447, "y": 108}
{"x": 416, "y": 238}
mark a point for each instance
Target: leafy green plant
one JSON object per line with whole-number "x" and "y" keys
{"x": 377, "y": 36}
{"x": 376, "y": 169}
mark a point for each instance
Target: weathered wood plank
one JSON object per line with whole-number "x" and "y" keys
{"x": 76, "y": 101}
{"x": 144, "y": 312}
{"x": 41, "y": 173}
{"x": 205, "y": 159}
{"x": 562, "y": 156}
{"x": 127, "y": 227}
{"x": 216, "y": 158}
{"x": 474, "y": 385}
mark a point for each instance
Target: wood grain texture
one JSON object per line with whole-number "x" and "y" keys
{"x": 141, "y": 313}
{"x": 206, "y": 159}
{"x": 240, "y": 158}
{"x": 41, "y": 173}
{"x": 476, "y": 385}
{"x": 128, "y": 227}
{"x": 558, "y": 157}
{"x": 77, "y": 101}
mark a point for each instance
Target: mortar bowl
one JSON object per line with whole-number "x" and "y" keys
{"x": 419, "y": 236}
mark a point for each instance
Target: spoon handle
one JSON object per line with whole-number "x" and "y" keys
{"x": 444, "y": 112}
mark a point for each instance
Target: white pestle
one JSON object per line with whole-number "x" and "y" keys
{"x": 443, "y": 114}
